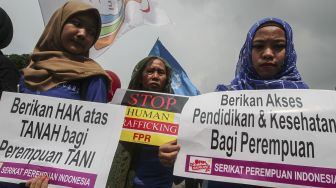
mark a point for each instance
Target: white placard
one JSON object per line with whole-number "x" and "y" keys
{"x": 72, "y": 142}
{"x": 277, "y": 138}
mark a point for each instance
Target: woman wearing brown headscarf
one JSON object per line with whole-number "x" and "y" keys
{"x": 60, "y": 65}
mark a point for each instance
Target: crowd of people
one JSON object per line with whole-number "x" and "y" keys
{"x": 60, "y": 67}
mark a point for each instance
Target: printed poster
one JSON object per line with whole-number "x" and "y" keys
{"x": 150, "y": 118}
{"x": 72, "y": 142}
{"x": 276, "y": 138}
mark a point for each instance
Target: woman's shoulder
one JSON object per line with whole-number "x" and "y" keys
{"x": 223, "y": 87}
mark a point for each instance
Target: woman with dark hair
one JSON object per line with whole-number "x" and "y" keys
{"x": 136, "y": 165}
{"x": 146, "y": 68}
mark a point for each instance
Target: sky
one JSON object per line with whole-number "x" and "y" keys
{"x": 206, "y": 37}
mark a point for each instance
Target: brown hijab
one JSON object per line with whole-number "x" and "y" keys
{"x": 51, "y": 64}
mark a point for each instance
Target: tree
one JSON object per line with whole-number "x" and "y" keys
{"x": 20, "y": 61}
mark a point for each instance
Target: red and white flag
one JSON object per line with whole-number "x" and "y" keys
{"x": 118, "y": 17}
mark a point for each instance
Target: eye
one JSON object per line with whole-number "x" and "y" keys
{"x": 75, "y": 22}
{"x": 91, "y": 32}
{"x": 150, "y": 71}
{"x": 279, "y": 46}
{"x": 161, "y": 72}
{"x": 257, "y": 46}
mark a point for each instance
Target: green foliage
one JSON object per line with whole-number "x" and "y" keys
{"x": 21, "y": 61}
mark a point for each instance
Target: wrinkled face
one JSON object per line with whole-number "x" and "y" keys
{"x": 154, "y": 76}
{"x": 79, "y": 33}
{"x": 268, "y": 51}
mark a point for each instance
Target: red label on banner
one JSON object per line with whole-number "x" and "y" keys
{"x": 152, "y": 126}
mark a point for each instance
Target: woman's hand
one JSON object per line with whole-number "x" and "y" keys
{"x": 168, "y": 153}
{"x": 38, "y": 182}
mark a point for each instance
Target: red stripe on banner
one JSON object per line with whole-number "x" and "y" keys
{"x": 151, "y": 126}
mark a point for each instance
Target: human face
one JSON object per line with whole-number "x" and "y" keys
{"x": 268, "y": 51}
{"x": 154, "y": 76}
{"x": 78, "y": 34}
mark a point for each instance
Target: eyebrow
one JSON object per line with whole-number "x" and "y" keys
{"x": 84, "y": 22}
{"x": 276, "y": 40}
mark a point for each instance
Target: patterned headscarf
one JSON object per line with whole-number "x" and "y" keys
{"x": 246, "y": 77}
{"x": 137, "y": 72}
{"x": 51, "y": 64}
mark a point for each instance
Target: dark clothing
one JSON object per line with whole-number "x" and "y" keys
{"x": 6, "y": 29}
{"x": 9, "y": 75}
{"x": 149, "y": 172}
{"x": 12, "y": 185}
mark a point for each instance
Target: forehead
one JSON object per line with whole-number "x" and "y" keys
{"x": 88, "y": 18}
{"x": 156, "y": 63}
{"x": 270, "y": 32}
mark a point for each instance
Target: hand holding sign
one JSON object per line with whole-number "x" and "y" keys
{"x": 38, "y": 182}
{"x": 168, "y": 153}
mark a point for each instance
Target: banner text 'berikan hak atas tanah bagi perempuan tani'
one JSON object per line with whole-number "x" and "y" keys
{"x": 72, "y": 142}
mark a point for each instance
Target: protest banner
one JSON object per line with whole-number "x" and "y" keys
{"x": 150, "y": 118}
{"x": 72, "y": 142}
{"x": 276, "y": 138}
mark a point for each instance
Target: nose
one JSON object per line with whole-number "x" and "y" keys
{"x": 81, "y": 33}
{"x": 155, "y": 75}
{"x": 268, "y": 53}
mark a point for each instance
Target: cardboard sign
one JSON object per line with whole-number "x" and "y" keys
{"x": 150, "y": 118}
